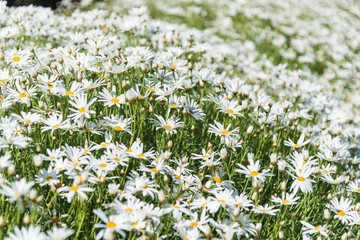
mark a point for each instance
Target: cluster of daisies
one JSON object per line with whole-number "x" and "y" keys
{"x": 117, "y": 124}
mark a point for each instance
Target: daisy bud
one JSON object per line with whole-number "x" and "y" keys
{"x": 161, "y": 196}
{"x": 281, "y": 165}
{"x": 244, "y": 104}
{"x": 144, "y": 237}
{"x": 113, "y": 189}
{"x": 210, "y": 151}
{"x": 39, "y": 199}
{"x": 305, "y": 154}
{"x": 236, "y": 212}
{"x": 250, "y": 129}
{"x": 102, "y": 179}
{"x": 38, "y": 161}
{"x": 192, "y": 128}
{"x": 210, "y": 145}
{"x": 349, "y": 234}
{"x": 281, "y": 235}
{"x": 357, "y": 207}
{"x": 143, "y": 109}
{"x": 38, "y": 149}
{"x": 344, "y": 236}
{"x": 223, "y": 153}
{"x": 273, "y": 158}
{"x": 2, "y": 181}
{"x": 254, "y": 195}
{"x": 32, "y": 194}
{"x": 282, "y": 223}
{"x": 166, "y": 178}
{"x": 170, "y": 144}
{"x": 26, "y": 220}
{"x": 11, "y": 170}
{"x": 255, "y": 184}
{"x": 327, "y": 214}
{"x": 108, "y": 86}
{"x": 184, "y": 159}
{"x": 41, "y": 104}
{"x": 151, "y": 109}
{"x": 207, "y": 230}
{"x": 329, "y": 197}
{"x": 283, "y": 186}
{"x": 186, "y": 187}
{"x": 2, "y": 222}
{"x": 258, "y": 227}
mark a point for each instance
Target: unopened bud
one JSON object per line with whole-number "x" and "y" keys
{"x": 170, "y": 144}
{"x": 258, "y": 227}
{"x": 26, "y": 220}
{"x": 250, "y": 129}
{"x": 161, "y": 196}
{"x": 11, "y": 170}
{"x": 223, "y": 153}
{"x": 283, "y": 186}
{"x": 236, "y": 212}
{"x": 281, "y": 235}
{"x": 32, "y": 194}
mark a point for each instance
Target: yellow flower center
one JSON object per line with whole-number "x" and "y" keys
{"x": 357, "y": 190}
{"x": 82, "y": 110}
{"x": 254, "y": 173}
{"x": 174, "y": 206}
{"x": 217, "y": 179}
{"x": 173, "y": 66}
{"x": 102, "y": 165}
{"x": 224, "y": 132}
{"x": 116, "y": 159}
{"x": 174, "y": 105}
{"x": 301, "y": 179}
{"x": 74, "y": 188}
{"x": 221, "y": 201}
{"x": 140, "y": 155}
{"x": 23, "y": 95}
{"x": 48, "y": 178}
{"x": 135, "y": 223}
{"x": 56, "y": 125}
{"x": 194, "y": 224}
{"x": 55, "y": 219}
{"x": 16, "y": 59}
{"x": 229, "y": 111}
{"x": 285, "y": 201}
{"x": 69, "y": 93}
{"x": 129, "y": 210}
{"x": 316, "y": 228}
{"x": 115, "y": 100}
{"x": 167, "y": 127}
{"x": 110, "y": 224}
{"x": 297, "y": 145}
{"x": 341, "y": 213}
{"x": 117, "y": 128}
{"x": 153, "y": 170}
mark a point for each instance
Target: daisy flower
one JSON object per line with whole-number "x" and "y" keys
{"x": 302, "y": 180}
{"x": 265, "y": 209}
{"x": 343, "y": 209}
{"x": 81, "y": 107}
{"x": 168, "y": 125}
{"x": 220, "y": 130}
{"x": 310, "y": 229}
{"x": 69, "y": 192}
{"x": 62, "y": 233}
{"x": 110, "y": 100}
{"x": 113, "y": 223}
{"x": 286, "y": 199}
{"x": 354, "y": 187}
{"x": 26, "y": 233}
{"x": 118, "y": 124}
{"x": 252, "y": 170}
{"x": 299, "y": 143}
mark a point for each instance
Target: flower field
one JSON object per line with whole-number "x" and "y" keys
{"x": 192, "y": 119}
